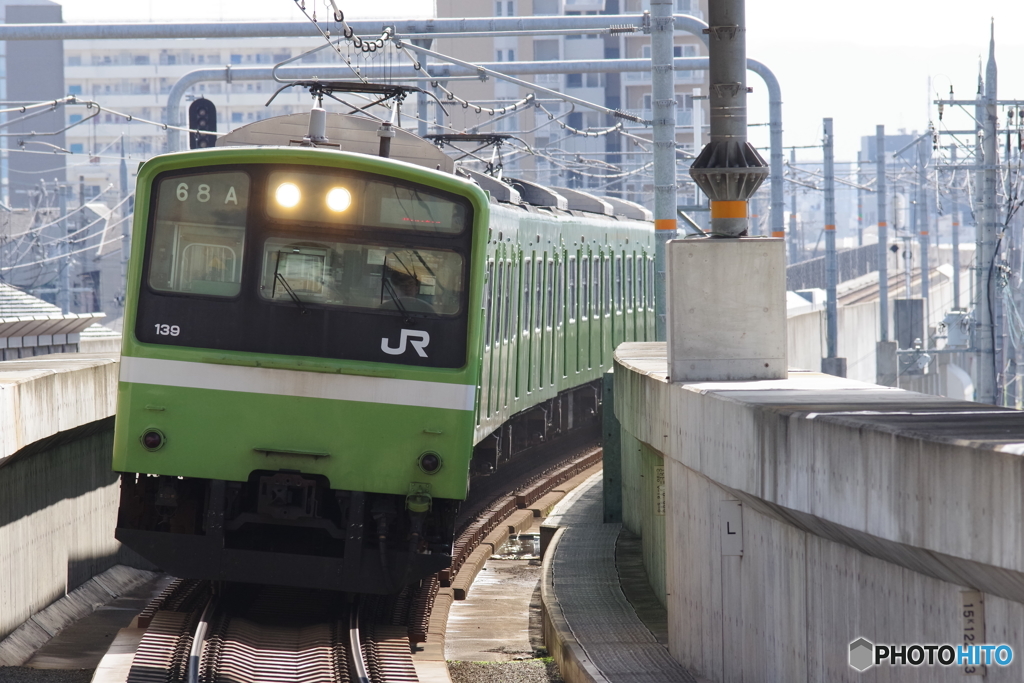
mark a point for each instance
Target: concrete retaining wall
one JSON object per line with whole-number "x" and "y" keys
{"x": 58, "y": 495}
{"x": 642, "y": 470}
{"x": 863, "y": 512}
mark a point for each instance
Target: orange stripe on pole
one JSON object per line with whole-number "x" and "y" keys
{"x": 664, "y": 223}
{"x": 729, "y": 209}
{"x": 779, "y": 233}
{"x": 882, "y": 224}
{"x": 830, "y": 227}
{"x": 956, "y": 225}
{"x": 924, "y": 232}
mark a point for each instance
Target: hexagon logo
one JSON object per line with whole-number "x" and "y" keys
{"x": 861, "y": 654}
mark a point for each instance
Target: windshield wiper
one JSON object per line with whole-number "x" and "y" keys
{"x": 386, "y": 284}
{"x": 290, "y": 292}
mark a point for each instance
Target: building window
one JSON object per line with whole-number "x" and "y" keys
{"x": 74, "y": 89}
{"x": 236, "y": 59}
{"x": 77, "y": 148}
{"x": 574, "y": 81}
{"x": 74, "y": 60}
{"x": 594, "y": 80}
{"x": 236, "y": 117}
{"x": 575, "y": 120}
{"x": 74, "y": 118}
{"x": 141, "y": 59}
{"x": 545, "y": 50}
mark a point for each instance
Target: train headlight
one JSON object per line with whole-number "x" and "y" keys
{"x": 287, "y": 195}
{"x": 152, "y": 439}
{"x": 430, "y": 462}
{"x": 339, "y": 199}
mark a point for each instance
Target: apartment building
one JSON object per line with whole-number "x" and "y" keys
{"x": 561, "y": 157}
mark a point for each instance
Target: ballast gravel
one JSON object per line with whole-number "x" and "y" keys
{"x": 524, "y": 671}
{"x": 23, "y": 674}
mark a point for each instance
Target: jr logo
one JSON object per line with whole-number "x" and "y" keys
{"x": 417, "y": 338}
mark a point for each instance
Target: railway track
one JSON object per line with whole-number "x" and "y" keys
{"x": 200, "y": 632}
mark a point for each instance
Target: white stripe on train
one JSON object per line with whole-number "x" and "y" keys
{"x": 404, "y": 392}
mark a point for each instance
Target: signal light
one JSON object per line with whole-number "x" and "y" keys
{"x": 288, "y": 195}
{"x": 152, "y": 439}
{"x": 430, "y": 462}
{"x": 202, "y": 115}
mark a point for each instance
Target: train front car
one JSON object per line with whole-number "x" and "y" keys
{"x": 299, "y": 366}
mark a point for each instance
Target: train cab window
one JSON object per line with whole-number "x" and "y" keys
{"x": 549, "y": 287}
{"x": 538, "y": 295}
{"x": 488, "y": 303}
{"x": 527, "y": 293}
{"x": 198, "y": 234}
{"x": 499, "y": 301}
{"x": 333, "y": 273}
{"x": 572, "y": 289}
{"x": 585, "y": 288}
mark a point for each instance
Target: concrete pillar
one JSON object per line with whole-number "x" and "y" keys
{"x": 731, "y": 325}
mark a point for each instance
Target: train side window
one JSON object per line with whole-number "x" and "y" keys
{"x": 560, "y": 293}
{"x": 538, "y": 294}
{"x": 550, "y": 287}
{"x": 499, "y": 301}
{"x": 527, "y": 293}
{"x": 630, "y": 290}
{"x": 617, "y": 283}
{"x": 606, "y": 285}
{"x": 509, "y": 299}
{"x": 595, "y": 285}
{"x": 488, "y": 303}
{"x": 585, "y": 288}
{"x": 641, "y": 274}
{"x": 650, "y": 283}
{"x": 572, "y": 289}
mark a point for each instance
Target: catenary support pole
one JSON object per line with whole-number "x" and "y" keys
{"x": 664, "y": 136}
{"x": 831, "y": 330}
{"x": 883, "y": 236}
{"x": 65, "y": 241}
{"x": 924, "y": 155}
{"x": 794, "y": 254}
{"x": 126, "y": 225}
{"x": 954, "y": 200}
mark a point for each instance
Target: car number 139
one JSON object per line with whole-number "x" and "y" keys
{"x": 168, "y": 330}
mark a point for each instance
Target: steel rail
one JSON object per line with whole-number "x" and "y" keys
{"x": 355, "y": 646}
{"x": 196, "y": 652}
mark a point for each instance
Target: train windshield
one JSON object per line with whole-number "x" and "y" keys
{"x": 306, "y": 262}
{"x": 367, "y": 276}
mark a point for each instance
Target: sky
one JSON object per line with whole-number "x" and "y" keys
{"x": 863, "y": 63}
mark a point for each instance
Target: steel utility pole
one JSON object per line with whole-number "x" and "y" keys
{"x": 831, "y": 364}
{"x": 793, "y": 253}
{"x": 729, "y": 170}
{"x": 860, "y": 202}
{"x": 986, "y": 379}
{"x": 126, "y": 228}
{"x": 663, "y": 91}
{"x": 954, "y": 199}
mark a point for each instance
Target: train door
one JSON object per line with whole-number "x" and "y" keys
{"x": 499, "y": 345}
{"x": 618, "y": 318}
{"x": 583, "y": 330}
{"x": 558, "y": 369}
{"x": 628, "y": 298}
{"x": 571, "y": 316}
{"x": 549, "y": 353}
{"x": 606, "y": 305}
{"x": 514, "y": 347}
{"x": 652, "y": 319}
{"x": 597, "y": 359}
{"x": 536, "y": 326}
{"x": 486, "y": 404}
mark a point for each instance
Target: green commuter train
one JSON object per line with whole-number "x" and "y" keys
{"x": 320, "y": 345}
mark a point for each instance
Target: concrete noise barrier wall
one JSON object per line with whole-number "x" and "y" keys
{"x": 799, "y": 515}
